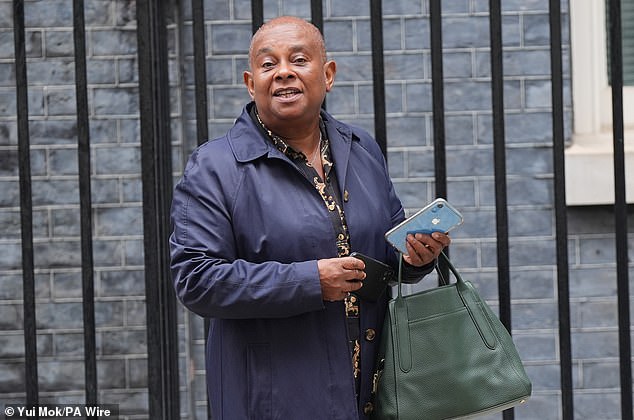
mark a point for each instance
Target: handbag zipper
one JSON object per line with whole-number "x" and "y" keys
{"x": 377, "y": 376}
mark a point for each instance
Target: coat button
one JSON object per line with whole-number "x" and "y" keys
{"x": 370, "y": 334}
{"x": 368, "y": 408}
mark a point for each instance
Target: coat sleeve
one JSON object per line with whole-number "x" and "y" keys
{"x": 208, "y": 277}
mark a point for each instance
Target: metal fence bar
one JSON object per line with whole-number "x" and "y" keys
{"x": 438, "y": 108}
{"x": 438, "y": 98}
{"x": 561, "y": 221}
{"x": 26, "y": 206}
{"x": 200, "y": 93}
{"x": 200, "y": 70}
{"x": 317, "y": 19}
{"x": 317, "y": 14}
{"x": 620, "y": 209}
{"x": 257, "y": 14}
{"x": 499, "y": 158}
{"x": 378, "y": 74}
{"x": 85, "y": 200}
{"x": 156, "y": 167}
{"x": 497, "y": 95}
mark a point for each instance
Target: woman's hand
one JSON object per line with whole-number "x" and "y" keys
{"x": 423, "y": 248}
{"x": 339, "y": 276}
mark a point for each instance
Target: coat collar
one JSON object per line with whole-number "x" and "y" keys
{"x": 247, "y": 143}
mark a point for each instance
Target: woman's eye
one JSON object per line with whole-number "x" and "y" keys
{"x": 267, "y": 63}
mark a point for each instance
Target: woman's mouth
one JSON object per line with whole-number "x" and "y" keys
{"x": 286, "y": 93}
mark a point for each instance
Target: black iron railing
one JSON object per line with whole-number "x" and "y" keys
{"x": 26, "y": 206}
{"x": 163, "y": 381}
{"x": 156, "y": 168}
{"x": 85, "y": 203}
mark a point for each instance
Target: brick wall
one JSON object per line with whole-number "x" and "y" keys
{"x": 113, "y": 101}
{"x": 116, "y": 194}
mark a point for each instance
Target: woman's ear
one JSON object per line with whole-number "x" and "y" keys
{"x": 330, "y": 69}
{"x": 248, "y": 82}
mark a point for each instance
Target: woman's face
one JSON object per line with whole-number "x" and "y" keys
{"x": 289, "y": 76}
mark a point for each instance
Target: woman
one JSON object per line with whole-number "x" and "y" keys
{"x": 265, "y": 219}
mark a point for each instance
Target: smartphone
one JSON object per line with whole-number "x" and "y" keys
{"x": 437, "y": 216}
{"x": 378, "y": 276}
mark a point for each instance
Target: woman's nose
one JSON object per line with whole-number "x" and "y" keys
{"x": 284, "y": 70}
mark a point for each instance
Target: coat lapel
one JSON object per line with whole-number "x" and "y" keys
{"x": 340, "y": 138}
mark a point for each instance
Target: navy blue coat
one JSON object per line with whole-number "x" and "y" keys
{"x": 248, "y": 230}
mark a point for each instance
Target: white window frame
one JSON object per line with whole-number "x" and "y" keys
{"x": 589, "y": 160}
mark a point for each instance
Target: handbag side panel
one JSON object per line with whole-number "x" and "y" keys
{"x": 503, "y": 337}
{"x": 461, "y": 363}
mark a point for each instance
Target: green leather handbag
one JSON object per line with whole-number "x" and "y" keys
{"x": 444, "y": 354}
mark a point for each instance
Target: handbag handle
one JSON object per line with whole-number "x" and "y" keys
{"x": 451, "y": 267}
{"x": 445, "y": 281}
{"x": 400, "y": 273}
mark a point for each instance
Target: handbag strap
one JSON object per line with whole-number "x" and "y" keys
{"x": 445, "y": 258}
{"x": 402, "y": 324}
{"x": 400, "y": 273}
{"x": 451, "y": 267}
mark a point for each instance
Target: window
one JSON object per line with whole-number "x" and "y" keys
{"x": 627, "y": 29}
{"x": 589, "y": 161}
